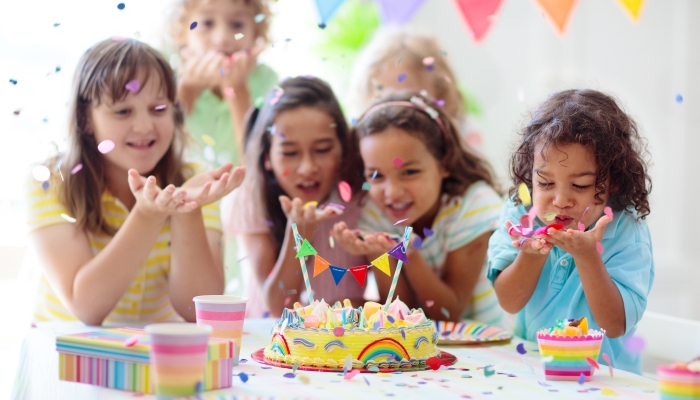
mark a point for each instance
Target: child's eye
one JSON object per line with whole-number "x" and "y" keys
{"x": 289, "y": 153}
{"x": 543, "y": 184}
{"x": 411, "y": 172}
{"x": 580, "y": 187}
{"x": 237, "y": 25}
{"x": 208, "y": 23}
{"x": 324, "y": 150}
{"x": 123, "y": 112}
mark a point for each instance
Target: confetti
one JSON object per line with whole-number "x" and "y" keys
{"x": 608, "y": 211}
{"x": 339, "y": 331}
{"x": 285, "y": 173}
{"x": 13, "y": 81}
{"x": 374, "y": 174}
{"x": 400, "y": 221}
{"x": 41, "y": 173}
{"x": 331, "y": 242}
{"x": 417, "y": 243}
{"x": 295, "y": 367}
{"x": 366, "y": 381}
{"x": 524, "y": 194}
{"x": 351, "y": 374}
{"x": 304, "y": 379}
{"x": 399, "y": 60}
{"x": 345, "y": 191}
{"x": 366, "y": 186}
{"x": 599, "y": 247}
{"x": 373, "y": 368}
{"x": 229, "y": 93}
{"x": 428, "y": 61}
{"x": 429, "y": 303}
{"x": 466, "y": 376}
{"x": 193, "y": 25}
{"x": 221, "y": 72}
{"x": 521, "y": 348}
{"x": 635, "y": 344}
{"x": 607, "y": 360}
{"x": 593, "y": 363}
{"x": 584, "y": 212}
{"x": 489, "y": 370}
{"x": 208, "y": 140}
{"x": 434, "y": 363}
{"x": 121, "y": 6}
{"x": 133, "y": 86}
{"x": 259, "y": 18}
{"x": 439, "y": 103}
{"x": 444, "y": 312}
{"x": 543, "y": 384}
{"x": 581, "y": 226}
{"x": 402, "y": 77}
{"x": 427, "y": 232}
{"x": 238, "y": 36}
{"x": 397, "y": 162}
{"x": 289, "y": 375}
{"x": 550, "y": 216}
{"x": 132, "y": 340}
{"x": 68, "y": 218}
{"x": 608, "y": 392}
{"x": 244, "y": 376}
{"x": 679, "y": 98}
{"x": 581, "y": 379}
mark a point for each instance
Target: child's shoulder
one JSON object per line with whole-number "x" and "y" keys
{"x": 478, "y": 197}
{"x": 627, "y": 228}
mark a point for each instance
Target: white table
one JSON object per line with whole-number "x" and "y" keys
{"x": 519, "y": 376}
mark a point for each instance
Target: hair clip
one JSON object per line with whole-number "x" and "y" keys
{"x": 420, "y": 103}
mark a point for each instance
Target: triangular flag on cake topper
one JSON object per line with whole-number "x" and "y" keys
{"x": 327, "y": 8}
{"x": 633, "y": 8}
{"x": 320, "y": 264}
{"x": 338, "y": 274}
{"x": 558, "y": 12}
{"x": 399, "y": 253}
{"x": 382, "y": 262}
{"x": 397, "y": 12}
{"x": 360, "y": 273}
{"x": 479, "y": 15}
{"x": 306, "y": 249}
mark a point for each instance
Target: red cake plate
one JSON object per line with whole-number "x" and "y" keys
{"x": 446, "y": 359}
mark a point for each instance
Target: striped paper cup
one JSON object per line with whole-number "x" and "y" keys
{"x": 178, "y": 358}
{"x": 678, "y": 384}
{"x": 225, "y": 314}
{"x": 564, "y": 357}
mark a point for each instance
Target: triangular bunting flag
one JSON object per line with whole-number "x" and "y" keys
{"x": 398, "y": 253}
{"x": 558, "y": 11}
{"x": 306, "y": 249}
{"x": 327, "y": 8}
{"x": 382, "y": 262}
{"x": 360, "y": 273}
{"x": 338, "y": 273}
{"x": 479, "y": 15}
{"x": 397, "y": 11}
{"x": 320, "y": 265}
{"x": 633, "y": 7}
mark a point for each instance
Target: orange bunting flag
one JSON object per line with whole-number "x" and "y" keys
{"x": 633, "y": 8}
{"x": 360, "y": 273}
{"x": 320, "y": 264}
{"x": 558, "y": 12}
{"x": 382, "y": 262}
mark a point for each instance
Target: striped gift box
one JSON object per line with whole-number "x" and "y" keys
{"x": 678, "y": 384}
{"x": 101, "y": 358}
{"x": 565, "y": 356}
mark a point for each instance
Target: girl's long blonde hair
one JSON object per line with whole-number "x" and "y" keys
{"x": 103, "y": 72}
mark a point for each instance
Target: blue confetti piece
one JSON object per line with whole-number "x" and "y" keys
{"x": 374, "y": 175}
{"x": 266, "y": 314}
{"x": 403, "y": 334}
{"x": 322, "y": 25}
{"x": 353, "y": 122}
{"x": 194, "y": 25}
{"x": 402, "y": 77}
{"x": 198, "y": 387}
{"x": 45, "y": 185}
{"x": 121, "y": 6}
{"x": 243, "y": 376}
{"x": 521, "y": 348}
{"x": 466, "y": 376}
{"x": 444, "y": 312}
{"x": 417, "y": 243}
{"x": 679, "y": 98}
{"x": 390, "y": 319}
{"x": 366, "y": 186}
{"x": 221, "y": 72}
{"x": 259, "y": 18}
{"x": 427, "y": 232}
{"x": 289, "y": 375}
{"x": 243, "y": 360}
{"x": 581, "y": 379}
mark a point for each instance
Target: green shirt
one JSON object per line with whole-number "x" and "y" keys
{"x": 211, "y": 116}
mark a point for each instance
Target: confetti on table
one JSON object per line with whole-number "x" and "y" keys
{"x": 429, "y": 303}
{"x": 550, "y": 216}
{"x": 444, "y": 312}
{"x": 581, "y": 226}
{"x": 259, "y": 18}
{"x": 132, "y": 341}
{"x": 304, "y": 379}
{"x": 366, "y": 186}
{"x": 244, "y": 376}
{"x": 585, "y": 211}
{"x": 121, "y": 6}
{"x": 608, "y": 392}
{"x": 466, "y": 376}
{"x": 599, "y": 247}
{"x": 208, "y": 140}
{"x": 238, "y": 36}
{"x": 608, "y": 211}
{"x": 402, "y": 77}
{"x": 489, "y": 370}
{"x": 366, "y": 381}
{"x": 521, "y": 348}
{"x": 345, "y": 191}
{"x": 193, "y": 25}
{"x": 68, "y": 218}
{"x": 397, "y": 162}
{"x": 593, "y": 363}
{"x": 607, "y": 360}
{"x": 289, "y": 375}
{"x": 635, "y": 344}
{"x": 351, "y": 374}
{"x": 41, "y": 173}
{"x": 524, "y": 194}
{"x": 581, "y": 379}
{"x": 679, "y": 98}
{"x": 133, "y": 86}
{"x": 543, "y": 384}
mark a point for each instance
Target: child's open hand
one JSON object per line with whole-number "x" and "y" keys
{"x": 363, "y": 245}
{"x": 201, "y": 72}
{"x": 153, "y": 201}
{"x": 210, "y": 186}
{"x": 529, "y": 245}
{"x": 306, "y": 216}
{"x": 238, "y": 67}
{"x": 576, "y": 242}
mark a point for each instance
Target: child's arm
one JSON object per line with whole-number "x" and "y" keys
{"x": 91, "y": 285}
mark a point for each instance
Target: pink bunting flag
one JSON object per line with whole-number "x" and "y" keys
{"x": 479, "y": 15}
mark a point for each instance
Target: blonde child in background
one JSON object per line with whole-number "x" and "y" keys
{"x": 579, "y": 155}
{"x": 421, "y": 177}
{"x": 219, "y": 77}
{"x": 299, "y": 149}
{"x": 124, "y": 229}
{"x": 403, "y": 60}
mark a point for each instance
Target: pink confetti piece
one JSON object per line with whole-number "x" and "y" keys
{"x": 105, "y": 146}
{"x": 429, "y": 303}
{"x": 229, "y": 93}
{"x": 76, "y": 169}
{"x": 351, "y": 374}
{"x": 608, "y": 211}
{"x": 607, "y": 360}
{"x": 428, "y": 60}
{"x": 635, "y": 344}
{"x": 132, "y": 341}
{"x": 581, "y": 226}
{"x": 521, "y": 348}
{"x": 345, "y": 191}
{"x": 400, "y": 221}
{"x": 397, "y": 162}
{"x": 439, "y": 103}
{"x": 593, "y": 363}
{"x": 599, "y": 247}
{"x": 133, "y": 86}
{"x": 339, "y": 331}
{"x": 584, "y": 212}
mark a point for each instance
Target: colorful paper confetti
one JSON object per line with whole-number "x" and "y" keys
{"x": 244, "y": 376}
{"x": 445, "y": 312}
{"x": 351, "y": 374}
{"x": 599, "y": 247}
{"x": 434, "y": 363}
{"x": 592, "y": 362}
{"x": 581, "y": 226}
{"x": 429, "y": 303}
{"x": 581, "y": 379}
{"x": 679, "y": 98}
{"x": 345, "y": 191}
{"x": 121, "y": 6}
{"x": 68, "y": 218}
{"x": 397, "y": 162}
{"x": 331, "y": 242}
{"x": 489, "y": 370}
{"x": 289, "y": 375}
{"x": 635, "y": 344}
{"x": 550, "y": 216}
{"x": 608, "y": 392}
{"x": 366, "y": 186}
{"x": 238, "y": 36}
{"x": 133, "y": 86}
{"x": 521, "y": 348}
{"x": 130, "y": 342}
{"x": 607, "y": 360}
{"x": 400, "y": 221}
{"x": 402, "y": 77}
{"x": 608, "y": 211}
{"x": 41, "y": 173}
{"x": 259, "y": 18}
{"x": 193, "y": 25}
{"x": 524, "y": 194}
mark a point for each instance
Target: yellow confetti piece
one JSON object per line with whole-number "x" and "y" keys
{"x": 331, "y": 242}
{"x": 208, "y": 140}
{"x": 524, "y": 194}
{"x": 68, "y": 218}
{"x": 304, "y": 379}
{"x": 311, "y": 203}
{"x": 383, "y": 375}
{"x": 550, "y": 216}
{"x": 608, "y": 392}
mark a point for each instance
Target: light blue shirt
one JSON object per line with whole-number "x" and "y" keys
{"x": 559, "y": 293}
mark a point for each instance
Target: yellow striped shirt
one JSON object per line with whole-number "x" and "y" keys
{"x": 146, "y": 299}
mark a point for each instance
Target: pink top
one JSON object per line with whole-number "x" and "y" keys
{"x": 248, "y": 217}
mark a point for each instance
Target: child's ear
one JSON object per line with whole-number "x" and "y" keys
{"x": 266, "y": 164}
{"x": 444, "y": 172}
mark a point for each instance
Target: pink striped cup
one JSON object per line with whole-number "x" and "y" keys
{"x": 178, "y": 358}
{"x": 225, "y": 314}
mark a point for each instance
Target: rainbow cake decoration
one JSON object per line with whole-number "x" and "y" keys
{"x": 680, "y": 380}
{"x": 565, "y": 347}
{"x": 320, "y": 335}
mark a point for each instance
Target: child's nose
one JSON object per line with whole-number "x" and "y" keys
{"x": 562, "y": 199}
{"x": 392, "y": 190}
{"x": 143, "y": 124}
{"x": 220, "y": 36}
{"x": 307, "y": 166}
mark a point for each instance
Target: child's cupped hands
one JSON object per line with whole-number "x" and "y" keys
{"x": 153, "y": 201}
{"x": 200, "y": 72}
{"x": 211, "y": 186}
{"x": 238, "y": 67}
{"x": 529, "y": 245}
{"x": 576, "y": 242}
{"x": 361, "y": 244}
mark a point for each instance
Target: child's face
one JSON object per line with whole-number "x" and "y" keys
{"x": 141, "y": 127}
{"x": 411, "y": 191}
{"x": 305, "y": 153}
{"x": 563, "y": 183}
{"x": 388, "y": 78}
{"x": 218, "y": 22}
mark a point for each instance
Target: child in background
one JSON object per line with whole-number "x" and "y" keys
{"x": 118, "y": 247}
{"x": 579, "y": 154}
{"x": 420, "y": 176}
{"x": 219, "y": 77}
{"x": 299, "y": 147}
{"x": 404, "y": 60}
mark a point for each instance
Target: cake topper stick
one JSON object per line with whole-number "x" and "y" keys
{"x": 406, "y": 238}
{"x": 302, "y": 262}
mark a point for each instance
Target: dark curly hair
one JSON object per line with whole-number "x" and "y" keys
{"x": 595, "y": 121}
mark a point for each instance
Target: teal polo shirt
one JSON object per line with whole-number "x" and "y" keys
{"x": 559, "y": 293}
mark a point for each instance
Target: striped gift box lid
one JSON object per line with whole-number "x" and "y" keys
{"x": 110, "y": 344}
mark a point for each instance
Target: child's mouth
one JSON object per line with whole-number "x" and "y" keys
{"x": 399, "y": 210}
{"x": 563, "y": 220}
{"x": 143, "y": 145}
{"x": 309, "y": 188}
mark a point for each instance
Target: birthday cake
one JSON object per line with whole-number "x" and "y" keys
{"x": 320, "y": 335}
{"x": 569, "y": 348}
